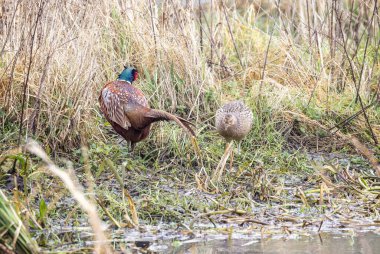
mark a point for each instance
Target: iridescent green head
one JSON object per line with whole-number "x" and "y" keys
{"x": 128, "y": 74}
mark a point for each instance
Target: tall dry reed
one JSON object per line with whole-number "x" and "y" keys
{"x": 56, "y": 55}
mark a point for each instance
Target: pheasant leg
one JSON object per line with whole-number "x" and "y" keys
{"x": 232, "y": 158}
{"x": 222, "y": 163}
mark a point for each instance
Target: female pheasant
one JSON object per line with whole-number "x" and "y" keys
{"x": 127, "y": 110}
{"x": 233, "y": 121}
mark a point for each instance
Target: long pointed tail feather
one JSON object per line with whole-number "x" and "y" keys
{"x": 158, "y": 115}
{"x": 185, "y": 121}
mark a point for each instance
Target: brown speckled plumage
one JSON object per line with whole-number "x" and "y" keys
{"x": 127, "y": 110}
{"x": 233, "y": 120}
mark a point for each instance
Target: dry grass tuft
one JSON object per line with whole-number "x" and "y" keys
{"x": 14, "y": 236}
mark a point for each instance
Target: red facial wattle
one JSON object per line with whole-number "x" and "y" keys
{"x": 135, "y": 74}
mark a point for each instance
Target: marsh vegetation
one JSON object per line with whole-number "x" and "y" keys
{"x": 308, "y": 70}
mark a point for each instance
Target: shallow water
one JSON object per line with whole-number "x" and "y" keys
{"x": 324, "y": 243}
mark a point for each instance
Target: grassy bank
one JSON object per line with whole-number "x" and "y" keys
{"x": 302, "y": 67}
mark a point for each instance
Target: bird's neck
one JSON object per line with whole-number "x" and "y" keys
{"x": 120, "y": 79}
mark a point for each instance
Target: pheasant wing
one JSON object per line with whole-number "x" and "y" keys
{"x": 113, "y": 106}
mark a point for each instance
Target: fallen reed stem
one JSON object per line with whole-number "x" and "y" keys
{"x": 101, "y": 245}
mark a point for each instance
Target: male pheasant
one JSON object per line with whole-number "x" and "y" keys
{"x": 127, "y": 110}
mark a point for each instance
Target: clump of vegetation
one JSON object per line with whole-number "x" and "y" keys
{"x": 309, "y": 71}
{"x": 14, "y": 236}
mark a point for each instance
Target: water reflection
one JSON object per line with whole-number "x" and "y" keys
{"x": 325, "y": 243}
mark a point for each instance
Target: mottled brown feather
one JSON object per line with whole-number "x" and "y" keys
{"x": 233, "y": 120}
